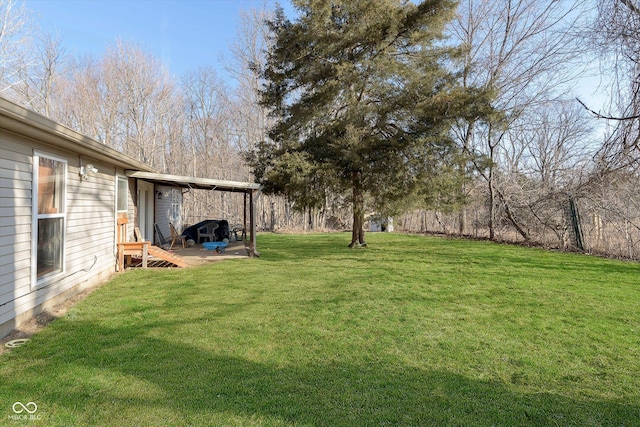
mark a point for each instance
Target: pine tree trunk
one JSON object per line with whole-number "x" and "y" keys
{"x": 462, "y": 220}
{"x": 357, "y": 233}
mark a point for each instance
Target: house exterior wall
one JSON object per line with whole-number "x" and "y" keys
{"x": 89, "y": 218}
{"x": 89, "y": 230}
{"x": 169, "y": 209}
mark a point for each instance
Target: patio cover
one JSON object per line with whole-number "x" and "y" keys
{"x": 193, "y": 182}
{"x": 250, "y": 189}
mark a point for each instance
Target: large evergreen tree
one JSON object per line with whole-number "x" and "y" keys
{"x": 363, "y": 96}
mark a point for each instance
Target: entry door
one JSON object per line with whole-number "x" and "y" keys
{"x": 145, "y": 209}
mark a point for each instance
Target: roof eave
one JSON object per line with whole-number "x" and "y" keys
{"x": 19, "y": 120}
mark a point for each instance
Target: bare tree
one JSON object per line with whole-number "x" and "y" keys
{"x": 124, "y": 99}
{"x": 613, "y": 213}
{"x": 142, "y": 90}
{"x": 86, "y": 105}
{"x": 208, "y": 119}
{"x": 518, "y": 49}
{"x": 617, "y": 33}
{"x": 39, "y": 84}
{"x": 15, "y": 44}
{"x": 545, "y": 158}
{"x": 249, "y": 50}
{"x": 206, "y": 100}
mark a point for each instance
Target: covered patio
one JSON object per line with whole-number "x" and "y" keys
{"x": 246, "y": 247}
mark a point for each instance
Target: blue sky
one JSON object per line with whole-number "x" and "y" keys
{"x": 183, "y": 34}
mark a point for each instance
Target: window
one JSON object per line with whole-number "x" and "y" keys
{"x": 175, "y": 207}
{"x": 49, "y": 188}
{"x": 122, "y": 199}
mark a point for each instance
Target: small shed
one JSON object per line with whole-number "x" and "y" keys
{"x": 379, "y": 223}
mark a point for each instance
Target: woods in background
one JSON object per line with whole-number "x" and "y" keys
{"x": 548, "y": 169}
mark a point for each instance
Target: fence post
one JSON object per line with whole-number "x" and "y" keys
{"x": 576, "y": 224}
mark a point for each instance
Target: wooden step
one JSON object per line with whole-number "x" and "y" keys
{"x": 167, "y": 256}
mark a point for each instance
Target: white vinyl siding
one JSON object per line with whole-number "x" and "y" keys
{"x": 15, "y": 220}
{"x": 90, "y": 223}
{"x": 169, "y": 209}
{"x": 89, "y": 232}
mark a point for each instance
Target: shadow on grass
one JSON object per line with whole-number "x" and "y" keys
{"x": 197, "y": 386}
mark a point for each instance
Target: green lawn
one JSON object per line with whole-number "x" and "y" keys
{"x": 410, "y": 331}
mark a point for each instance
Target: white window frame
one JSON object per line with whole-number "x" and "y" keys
{"x": 176, "y": 206}
{"x": 126, "y": 193}
{"x": 49, "y": 277}
{"x": 117, "y": 211}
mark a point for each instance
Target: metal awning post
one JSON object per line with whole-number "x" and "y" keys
{"x": 252, "y": 223}
{"x": 244, "y": 218}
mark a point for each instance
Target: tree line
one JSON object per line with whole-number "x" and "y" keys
{"x": 460, "y": 118}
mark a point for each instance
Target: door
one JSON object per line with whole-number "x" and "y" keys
{"x": 145, "y": 209}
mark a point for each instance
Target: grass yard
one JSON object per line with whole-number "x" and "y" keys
{"x": 410, "y": 331}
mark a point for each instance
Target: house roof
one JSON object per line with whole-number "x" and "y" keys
{"x": 19, "y": 120}
{"x": 193, "y": 182}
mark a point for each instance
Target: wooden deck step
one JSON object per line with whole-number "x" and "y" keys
{"x": 167, "y": 256}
